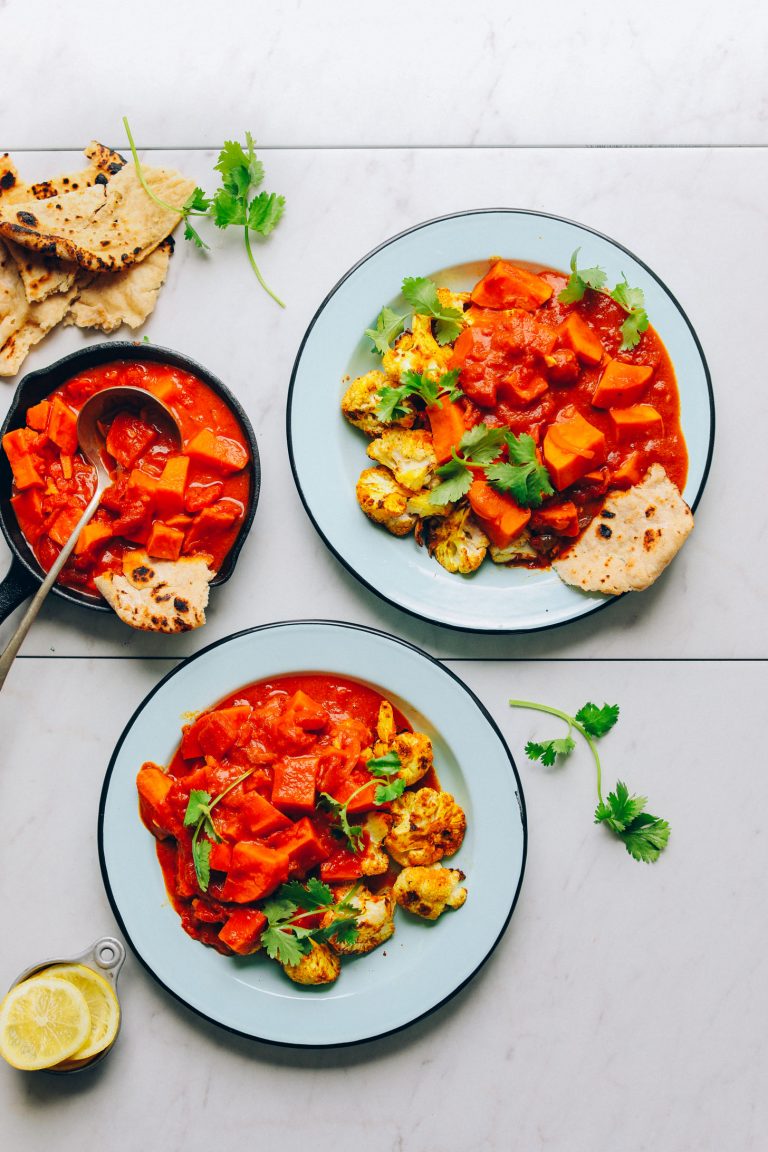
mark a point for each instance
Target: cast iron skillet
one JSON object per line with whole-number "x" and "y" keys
{"x": 25, "y": 574}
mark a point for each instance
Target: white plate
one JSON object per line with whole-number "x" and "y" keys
{"x": 423, "y": 964}
{"x": 328, "y": 454}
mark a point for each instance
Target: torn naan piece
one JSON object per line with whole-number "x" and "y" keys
{"x": 22, "y": 325}
{"x": 158, "y": 595}
{"x": 631, "y": 540}
{"x": 43, "y": 275}
{"x": 114, "y": 298}
{"x": 107, "y": 227}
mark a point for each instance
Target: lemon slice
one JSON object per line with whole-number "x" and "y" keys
{"x": 102, "y": 1005}
{"x": 42, "y": 1020}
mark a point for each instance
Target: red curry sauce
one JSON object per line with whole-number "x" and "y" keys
{"x": 298, "y": 736}
{"x": 171, "y": 503}
{"x": 520, "y": 369}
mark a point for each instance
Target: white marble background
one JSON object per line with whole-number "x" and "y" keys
{"x": 625, "y": 1006}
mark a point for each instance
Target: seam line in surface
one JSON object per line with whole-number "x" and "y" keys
{"x": 406, "y": 147}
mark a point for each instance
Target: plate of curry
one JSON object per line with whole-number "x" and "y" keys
{"x": 505, "y": 352}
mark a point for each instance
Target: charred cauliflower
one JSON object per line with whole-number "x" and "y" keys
{"x": 450, "y": 299}
{"x": 421, "y": 505}
{"x": 457, "y": 541}
{"x": 416, "y": 351}
{"x": 385, "y": 725}
{"x": 408, "y": 454}
{"x": 429, "y": 891}
{"x": 321, "y": 965}
{"x": 519, "y": 549}
{"x": 385, "y": 501}
{"x": 427, "y": 826}
{"x": 414, "y": 749}
{"x": 374, "y": 860}
{"x": 361, "y": 400}
{"x": 374, "y": 916}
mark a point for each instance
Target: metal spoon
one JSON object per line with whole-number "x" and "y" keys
{"x": 97, "y": 408}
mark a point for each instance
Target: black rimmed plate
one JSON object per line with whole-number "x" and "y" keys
{"x": 328, "y": 454}
{"x": 423, "y": 964}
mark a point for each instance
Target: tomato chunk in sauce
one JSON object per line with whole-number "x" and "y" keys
{"x": 171, "y": 502}
{"x": 294, "y": 737}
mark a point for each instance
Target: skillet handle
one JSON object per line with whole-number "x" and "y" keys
{"x": 18, "y": 584}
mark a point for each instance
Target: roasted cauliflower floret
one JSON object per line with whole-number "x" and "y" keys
{"x": 414, "y": 749}
{"x": 384, "y": 500}
{"x": 518, "y": 549}
{"x": 416, "y": 351}
{"x": 385, "y": 725}
{"x": 429, "y": 891}
{"x": 421, "y": 505}
{"x": 374, "y": 915}
{"x": 361, "y": 400}
{"x": 408, "y": 454}
{"x": 427, "y": 826}
{"x": 450, "y": 299}
{"x": 321, "y": 965}
{"x": 373, "y": 859}
{"x": 457, "y": 541}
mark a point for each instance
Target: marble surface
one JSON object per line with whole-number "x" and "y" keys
{"x": 625, "y": 1005}
{"x": 302, "y": 73}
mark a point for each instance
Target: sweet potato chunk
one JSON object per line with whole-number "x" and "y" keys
{"x": 242, "y": 932}
{"x": 578, "y": 336}
{"x": 255, "y": 871}
{"x": 638, "y": 420}
{"x": 571, "y": 449}
{"x": 169, "y": 493}
{"x": 507, "y": 286}
{"x": 217, "y": 452}
{"x": 621, "y": 384}
{"x": 62, "y": 427}
{"x": 163, "y": 542}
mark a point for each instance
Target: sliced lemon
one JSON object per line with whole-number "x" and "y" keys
{"x": 43, "y": 1020}
{"x": 102, "y": 1005}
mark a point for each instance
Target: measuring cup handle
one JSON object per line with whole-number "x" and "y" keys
{"x": 19, "y": 583}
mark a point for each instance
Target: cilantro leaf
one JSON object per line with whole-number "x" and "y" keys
{"x": 419, "y": 384}
{"x": 389, "y": 325}
{"x": 528, "y": 484}
{"x": 198, "y": 806}
{"x": 227, "y": 208}
{"x": 549, "y": 750}
{"x": 646, "y": 838}
{"x": 310, "y": 896}
{"x": 265, "y": 212}
{"x": 386, "y": 792}
{"x": 201, "y": 856}
{"x": 630, "y": 299}
{"x": 285, "y": 947}
{"x": 384, "y": 765}
{"x": 597, "y": 721}
{"x": 239, "y": 169}
{"x": 581, "y": 279}
{"x": 421, "y": 293}
{"x": 197, "y": 201}
{"x": 621, "y": 808}
{"x": 391, "y": 406}
{"x": 631, "y": 330}
{"x": 456, "y": 482}
{"x": 482, "y": 444}
{"x": 352, "y": 832}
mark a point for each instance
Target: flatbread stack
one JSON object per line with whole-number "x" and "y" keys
{"x": 90, "y": 248}
{"x": 631, "y": 540}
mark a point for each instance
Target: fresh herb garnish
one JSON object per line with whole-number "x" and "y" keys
{"x": 285, "y": 939}
{"x": 241, "y": 174}
{"x": 422, "y": 295}
{"x": 644, "y": 836}
{"x": 523, "y": 477}
{"x": 389, "y": 325}
{"x": 199, "y": 813}
{"x": 382, "y": 766}
{"x": 632, "y": 300}
{"x": 391, "y": 406}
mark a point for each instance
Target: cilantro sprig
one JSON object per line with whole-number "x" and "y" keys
{"x": 522, "y": 476}
{"x": 422, "y": 295}
{"x": 386, "y": 766}
{"x": 199, "y": 814}
{"x": 391, "y": 400}
{"x": 644, "y": 836}
{"x": 632, "y": 300}
{"x": 241, "y": 173}
{"x": 286, "y": 939}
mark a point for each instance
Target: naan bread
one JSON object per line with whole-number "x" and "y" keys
{"x": 114, "y": 298}
{"x": 106, "y": 227}
{"x": 43, "y": 275}
{"x": 158, "y": 595}
{"x": 23, "y": 324}
{"x": 631, "y": 540}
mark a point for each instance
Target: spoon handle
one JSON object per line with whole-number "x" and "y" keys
{"x": 15, "y": 642}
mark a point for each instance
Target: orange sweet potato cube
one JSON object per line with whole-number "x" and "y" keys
{"x": 571, "y": 449}
{"x": 637, "y": 420}
{"x": 17, "y": 446}
{"x": 37, "y": 415}
{"x": 62, "y": 427}
{"x": 218, "y": 452}
{"x": 164, "y": 543}
{"x": 621, "y": 384}
{"x": 169, "y": 494}
{"x": 578, "y": 335}
{"x": 153, "y": 786}
{"x": 94, "y": 533}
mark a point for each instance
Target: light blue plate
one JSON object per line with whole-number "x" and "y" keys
{"x": 328, "y": 454}
{"x": 423, "y": 964}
